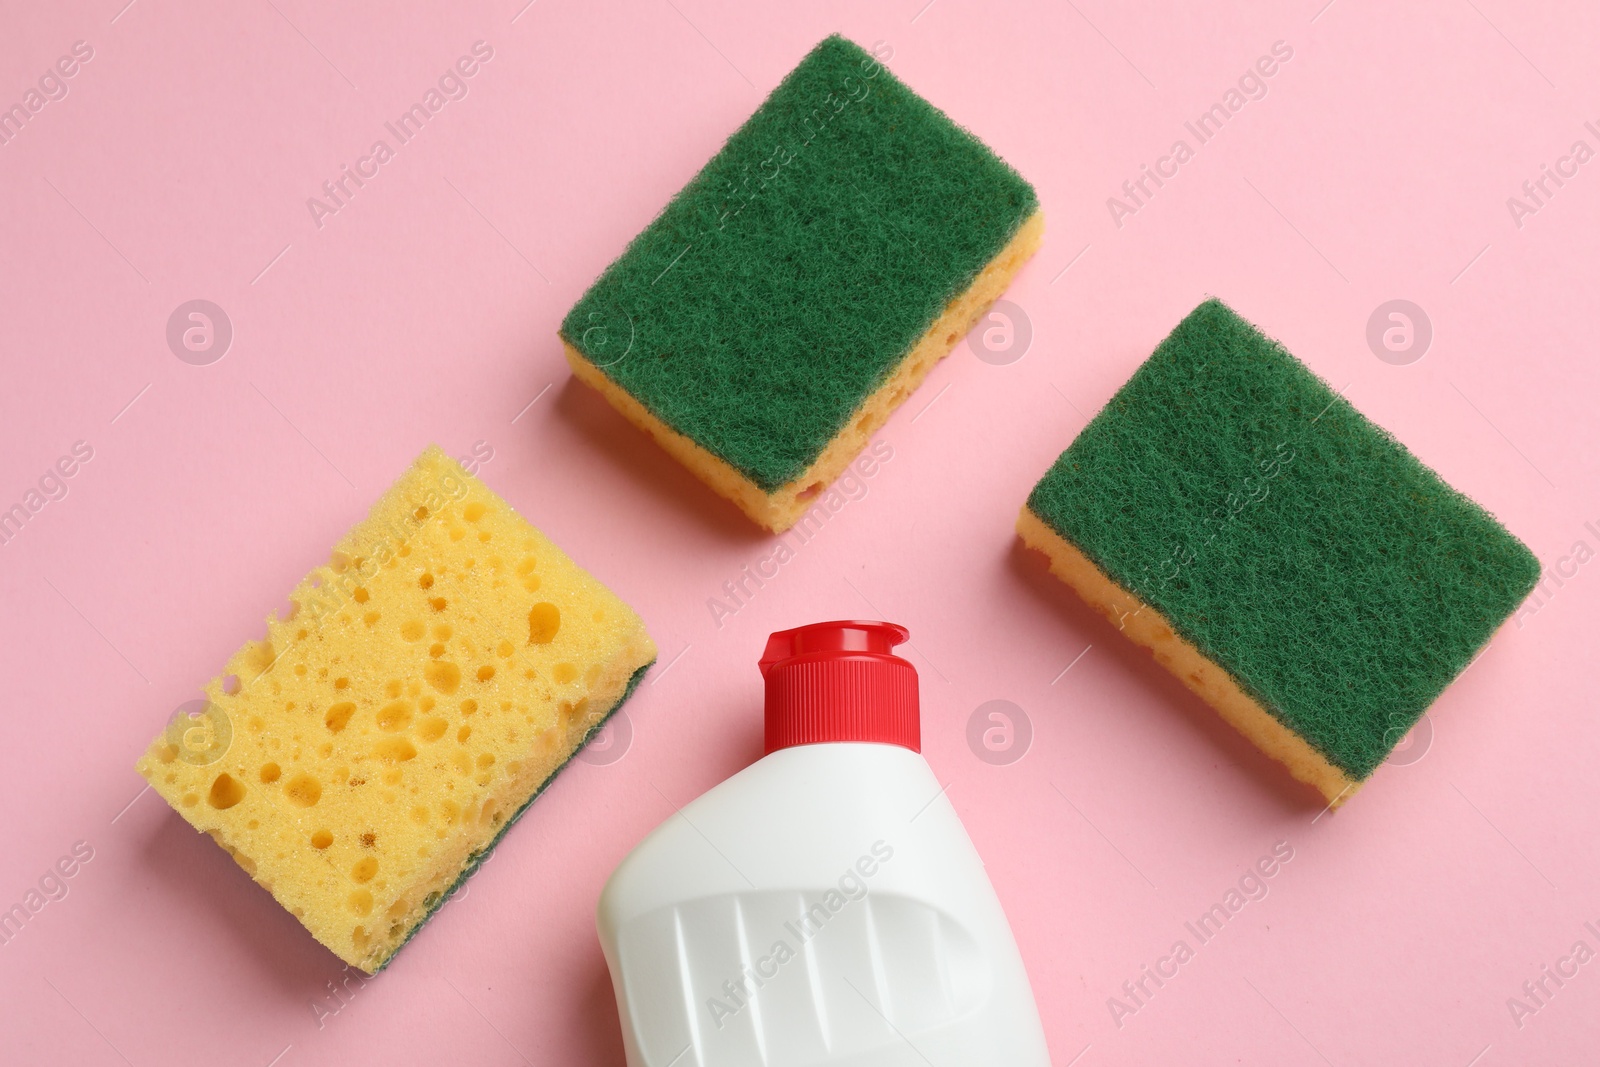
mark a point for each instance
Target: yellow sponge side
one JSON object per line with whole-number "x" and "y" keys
{"x": 424, "y": 685}
{"x": 782, "y": 508}
{"x": 1146, "y": 626}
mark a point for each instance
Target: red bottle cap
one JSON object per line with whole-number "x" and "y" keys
{"x": 840, "y": 681}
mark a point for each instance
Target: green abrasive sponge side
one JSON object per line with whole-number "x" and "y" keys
{"x": 793, "y": 274}
{"x": 1339, "y": 582}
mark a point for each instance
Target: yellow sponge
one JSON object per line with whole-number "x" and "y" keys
{"x": 425, "y": 685}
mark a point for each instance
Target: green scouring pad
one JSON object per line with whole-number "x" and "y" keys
{"x": 1286, "y": 558}
{"x": 800, "y": 287}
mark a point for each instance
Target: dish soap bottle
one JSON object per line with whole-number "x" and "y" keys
{"x": 824, "y": 906}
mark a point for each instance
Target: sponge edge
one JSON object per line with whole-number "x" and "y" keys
{"x": 427, "y": 683}
{"x": 781, "y": 508}
{"x": 1147, "y": 627}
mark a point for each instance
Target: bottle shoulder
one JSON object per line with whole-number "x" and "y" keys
{"x": 796, "y": 819}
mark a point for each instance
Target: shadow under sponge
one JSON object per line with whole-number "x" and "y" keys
{"x": 799, "y": 288}
{"x": 1289, "y": 560}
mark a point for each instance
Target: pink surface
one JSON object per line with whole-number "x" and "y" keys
{"x": 1376, "y": 167}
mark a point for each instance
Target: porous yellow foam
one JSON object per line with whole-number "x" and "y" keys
{"x": 1146, "y": 626}
{"x": 425, "y": 683}
{"x": 782, "y": 508}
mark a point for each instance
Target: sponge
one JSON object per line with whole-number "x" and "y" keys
{"x": 425, "y": 685}
{"x": 1290, "y": 561}
{"x": 803, "y": 284}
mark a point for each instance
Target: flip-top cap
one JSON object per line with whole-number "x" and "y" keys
{"x": 840, "y": 681}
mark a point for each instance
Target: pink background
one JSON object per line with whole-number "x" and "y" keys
{"x": 1377, "y": 167}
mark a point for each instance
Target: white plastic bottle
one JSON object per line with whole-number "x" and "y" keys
{"x": 824, "y": 905}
